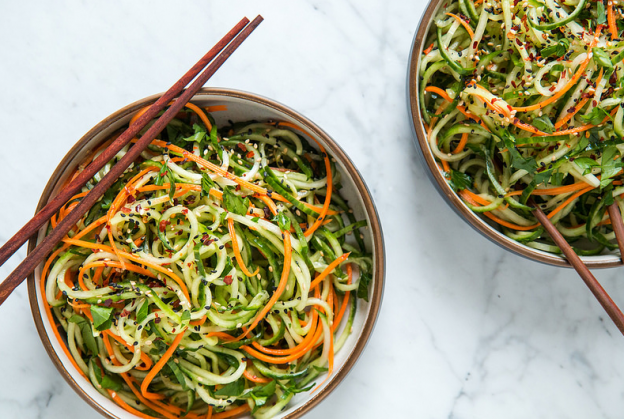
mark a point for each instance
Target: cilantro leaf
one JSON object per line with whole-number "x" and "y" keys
{"x": 214, "y": 139}
{"x": 542, "y": 177}
{"x": 160, "y": 347}
{"x": 556, "y": 179}
{"x": 595, "y": 117}
{"x": 107, "y": 198}
{"x": 600, "y": 11}
{"x": 610, "y": 165}
{"x": 185, "y": 316}
{"x": 543, "y": 124}
{"x": 282, "y": 221}
{"x": 557, "y": 50}
{"x": 234, "y": 203}
{"x": 266, "y": 390}
{"x": 365, "y": 281}
{"x": 207, "y": 183}
{"x": 213, "y": 134}
{"x": 86, "y": 332}
{"x": 198, "y": 136}
{"x": 459, "y": 180}
{"x": 234, "y": 388}
{"x": 586, "y": 164}
{"x": 517, "y": 60}
{"x": 294, "y": 389}
{"x": 517, "y": 160}
{"x": 602, "y": 58}
{"x": 160, "y": 177}
{"x": 102, "y": 317}
{"x": 142, "y": 312}
{"x": 229, "y": 359}
{"x": 173, "y": 134}
{"x": 261, "y": 394}
{"x": 177, "y": 373}
{"x": 111, "y": 382}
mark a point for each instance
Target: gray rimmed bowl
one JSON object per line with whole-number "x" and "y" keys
{"x": 241, "y": 106}
{"x": 450, "y": 197}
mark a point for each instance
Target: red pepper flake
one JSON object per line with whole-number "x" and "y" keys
{"x": 237, "y": 188}
{"x": 108, "y": 303}
{"x": 163, "y": 225}
{"x": 552, "y": 88}
{"x": 131, "y": 199}
{"x": 124, "y": 313}
{"x": 241, "y": 146}
{"x": 228, "y": 280}
{"x": 513, "y": 83}
{"x": 250, "y": 154}
{"x": 125, "y": 210}
{"x": 184, "y": 211}
{"x": 494, "y": 100}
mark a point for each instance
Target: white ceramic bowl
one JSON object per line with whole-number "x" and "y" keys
{"x": 241, "y": 106}
{"x": 428, "y": 160}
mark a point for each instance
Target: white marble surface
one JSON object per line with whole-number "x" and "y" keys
{"x": 466, "y": 329}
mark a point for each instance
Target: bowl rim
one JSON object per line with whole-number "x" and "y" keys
{"x": 440, "y": 183}
{"x": 334, "y": 149}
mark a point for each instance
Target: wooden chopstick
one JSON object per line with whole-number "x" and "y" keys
{"x": 618, "y": 226}
{"x": 63, "y": 227}
{"x": 590, "y": 280}
{"x": 74, "y": 187}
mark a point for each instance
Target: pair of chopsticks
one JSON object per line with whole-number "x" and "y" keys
{"x": 590, "y": 280}
{"x": 209, "y": 63}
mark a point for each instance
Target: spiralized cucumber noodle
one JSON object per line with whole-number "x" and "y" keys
{"x": 217, "y": 277}
{"x": 523, "y": 105}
